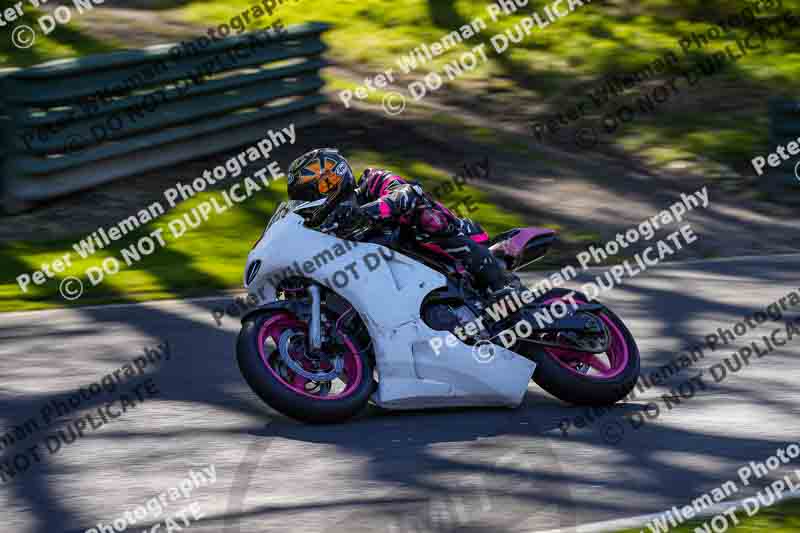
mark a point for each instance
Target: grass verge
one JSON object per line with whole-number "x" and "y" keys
{"x": 782, "y": 518}
{"x": 204, "y": 260}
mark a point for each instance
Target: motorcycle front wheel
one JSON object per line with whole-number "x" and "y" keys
{"x": 273, "y": 358}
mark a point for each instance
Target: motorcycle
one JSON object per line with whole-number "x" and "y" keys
{"x": 398, "y": 329}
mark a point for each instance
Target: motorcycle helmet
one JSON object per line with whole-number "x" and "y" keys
{"x": 321, "y": 173}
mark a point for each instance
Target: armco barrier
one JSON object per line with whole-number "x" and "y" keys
{"x": 784, "y": 127}
{"x": 71, "y": 124}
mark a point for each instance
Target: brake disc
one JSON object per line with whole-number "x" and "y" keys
{"x": 290, "y": 338}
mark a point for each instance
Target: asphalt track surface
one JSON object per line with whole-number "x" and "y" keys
{"x": 496, "y": 470}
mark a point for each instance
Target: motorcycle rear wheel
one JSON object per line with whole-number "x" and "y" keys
{"x": 579, "y": 378}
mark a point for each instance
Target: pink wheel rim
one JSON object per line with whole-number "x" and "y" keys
{"x": 617, "y": 353}
{"x": 274, "y": 327}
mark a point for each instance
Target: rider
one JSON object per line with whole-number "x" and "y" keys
{"x": 381, "y": 194}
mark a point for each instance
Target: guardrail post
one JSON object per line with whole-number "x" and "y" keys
{"x": 5, "y": 136}
{"x": 784, "y": 117}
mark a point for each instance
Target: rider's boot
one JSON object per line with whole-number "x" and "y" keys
{"x": 498, "y": 282}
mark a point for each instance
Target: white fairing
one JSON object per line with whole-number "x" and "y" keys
{"x": 388, "y": 298}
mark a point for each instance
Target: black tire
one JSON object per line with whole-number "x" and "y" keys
{"x": 290, "y": 403}
{"x": 573, "y": 388}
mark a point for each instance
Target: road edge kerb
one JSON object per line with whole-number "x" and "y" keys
{"x": 639, "y": 521}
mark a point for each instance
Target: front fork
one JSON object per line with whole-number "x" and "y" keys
{"x": 315, "y": 328}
